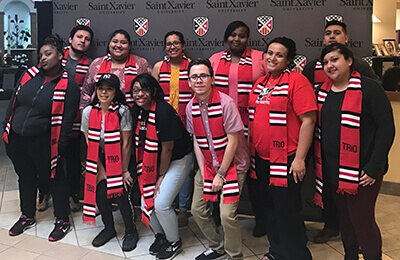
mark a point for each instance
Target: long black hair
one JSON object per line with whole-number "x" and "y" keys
{"x": 125, "y": 34}
{"x": 146, "y": 81}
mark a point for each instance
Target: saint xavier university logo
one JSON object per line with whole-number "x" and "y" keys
{"x": 200, "y": 25}
{"x": 333, "y": 17}
{"x": 300, "y": 62}
{"x": 264, "y": 24}
{"x": 141, "y": 25}
{"x": 83, "y": 21}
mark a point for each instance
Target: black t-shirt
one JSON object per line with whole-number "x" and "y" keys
{"x": 169, "y": 127}
{"x": 330, "y": 136}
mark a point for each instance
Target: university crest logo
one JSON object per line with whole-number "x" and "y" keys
{"x": 265, "y": 24}
{"x": 82, "y": 21}
{"x": 141, "y": 25}
{"x": 300, "y": 62}
{"x": 200, "y": 25}
{"x": 333, "y": 17}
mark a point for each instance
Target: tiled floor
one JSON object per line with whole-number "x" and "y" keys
{"x": 33, "y": 243}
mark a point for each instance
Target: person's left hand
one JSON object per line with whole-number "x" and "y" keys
{"x": 365, "y": 180}
{"x": 217, "y": 183}
{"x": 158, "y": 183}
{"x": 127, "y": 179}
{"x": 298, "y": 169}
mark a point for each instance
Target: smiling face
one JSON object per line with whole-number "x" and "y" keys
{"x": 174, "y": 46}
{"x": 335, "y": 33}
{"x": 81, "y": 41}
{"x": 202, "y": 88}
{"x": 141, "y": 96}
{"x": 105, "y": 93}
{"x": 237, "y": 40}
{"x": 336, "y": 67}
{"x": 276, "y": 58}
{"x": 119, "y": 47}
{"x": 49, "y": 58}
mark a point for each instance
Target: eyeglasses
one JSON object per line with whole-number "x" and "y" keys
{"x": 144, "y": 90}
{"x": 175, "y": 43}
{"x": 202, "y": 77}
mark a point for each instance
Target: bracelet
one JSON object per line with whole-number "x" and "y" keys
{"x": 125, "y": 171}
{"x": 221, "y": 171}
{"x": 221, "y": 176}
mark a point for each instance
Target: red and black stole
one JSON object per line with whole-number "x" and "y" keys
{"x": 277, "y": 128}
{"x": 146, "y": 161}
{"x": 245, "y": 81}
{"x": 80, "y": 72}
{"x": 130, "y": 73}
{"x": 185, "y": 92}
{"x": 349, "y": 159}
{"x": 319, "y": 74}
{"x": 57, "y": 112}
{"x": 112, "y": 150}
{"x": 220, "y": 141}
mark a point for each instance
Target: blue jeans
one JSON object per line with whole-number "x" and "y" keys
{"x": 163, "y": 220}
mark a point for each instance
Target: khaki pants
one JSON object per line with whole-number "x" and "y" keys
{"x": 231, "y": 243}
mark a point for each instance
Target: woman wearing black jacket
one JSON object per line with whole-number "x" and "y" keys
{"x": 354, "y": 133}
{"x": 37, "y": 127}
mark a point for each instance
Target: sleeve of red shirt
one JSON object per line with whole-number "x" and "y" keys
{"x": 301, "y": 94}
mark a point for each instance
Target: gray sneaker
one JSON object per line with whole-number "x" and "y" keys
{"x": 43, "y": 202}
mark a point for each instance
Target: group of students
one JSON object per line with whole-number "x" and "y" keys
{"x": 243, "y": 114}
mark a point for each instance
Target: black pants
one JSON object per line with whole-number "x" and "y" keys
{"x": 105, "y": 207}
{"x": 282, "y": 205}
{"x": 330, "y": 212}
{"x": 357, "y": 222}
{"x": 31, "y": 160}
{"x": 73, "y": 162}
{"x": 258, "y": 190}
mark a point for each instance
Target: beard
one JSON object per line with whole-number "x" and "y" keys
{"x": 76, "y": 50}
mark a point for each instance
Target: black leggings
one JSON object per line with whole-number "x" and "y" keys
{"x": 104, "y": 205}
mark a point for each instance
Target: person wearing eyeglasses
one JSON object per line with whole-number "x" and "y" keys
{"x": 164, "y": 159}
{"x": 214, "y": 121}
{"x": 236, "y": 70}
{"x": 171, "y": 73}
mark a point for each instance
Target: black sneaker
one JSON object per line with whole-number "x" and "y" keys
{"x": 130, "y": 240}
{"x": 103, "y": 237}
{"x": 210, "y": 254}
{"x": 170, "y": 250}
{"x": 60, "y": 230}
{"x": 157, "y": 244}
{"x": 21, "y": 225}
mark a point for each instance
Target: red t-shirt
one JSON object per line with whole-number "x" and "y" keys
{"x": 301, "y": 99}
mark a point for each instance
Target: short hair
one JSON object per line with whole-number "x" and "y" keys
{"x": 232, "y": 26}
{"x": 146, "y": 81}
{"x": 55, "y": 41}
{"x": 124, "y": 33}
{"x": 179, "y": 34}
{"x": 335, "y": 22}
{"x": 201, "y": 61}
{"x": 342, "y": 49}
{"x": 289, "y": 44}
{"x": 83, "y": 28}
